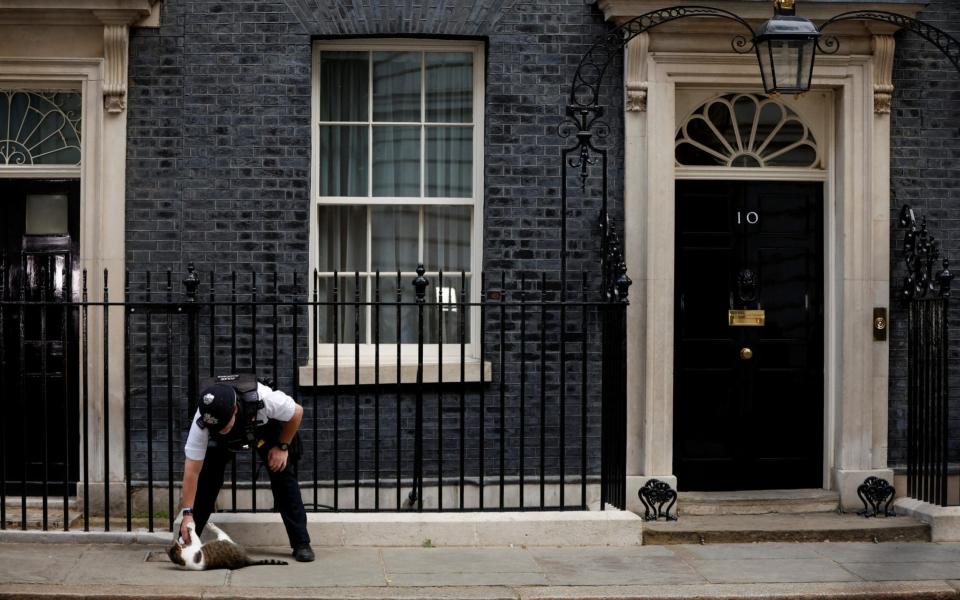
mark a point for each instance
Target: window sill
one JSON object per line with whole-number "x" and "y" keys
{"x": 432, "y": 372}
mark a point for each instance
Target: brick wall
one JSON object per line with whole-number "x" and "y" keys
{"x": 219, "y": 164}
{"x": 925, "y": 147}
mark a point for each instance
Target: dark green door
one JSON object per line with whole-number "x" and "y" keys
{"x": 748, "y": 400}
{"x": 39, "y": 357}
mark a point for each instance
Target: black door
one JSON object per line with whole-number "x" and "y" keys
{"x": 748, "y": 398}
{"x": 39, "y": 342}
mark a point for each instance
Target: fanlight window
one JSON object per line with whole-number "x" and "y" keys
{"x": 39, "y": 128}
{"x": 745, "y": 130}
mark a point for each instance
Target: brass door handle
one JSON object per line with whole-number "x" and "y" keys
{"x": 746, "y": 353}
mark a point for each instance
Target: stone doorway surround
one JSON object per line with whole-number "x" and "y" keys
{"x": 851, "y": 91}
{"x": 81, "y": 45}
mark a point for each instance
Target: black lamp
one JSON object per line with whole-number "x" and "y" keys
{"x": 785, "y": 46}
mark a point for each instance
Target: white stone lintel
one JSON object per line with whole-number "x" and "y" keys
{"x": 619, "y": 11}
{"x": 76, "y": 12}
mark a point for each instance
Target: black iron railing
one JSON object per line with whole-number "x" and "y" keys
{"x": 927, "y": 294}
{"x": 416, "y": 395}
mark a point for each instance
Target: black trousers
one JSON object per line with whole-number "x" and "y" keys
{"x": 285, "y": 487}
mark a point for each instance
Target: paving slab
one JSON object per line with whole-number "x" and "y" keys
{"x": 334, "y": 567}
{"x": 100, "y": 592}
{"x": 602, "y": 552}
{"x": 772, "y": 570}
{"x": 110, "y": 564}
{"x": 441, "y": 580}
{"x": 458, "y": 560}
{"x": 911, "y": 552}
{"x": 648, "y": 571}
{"x": 747, "y": 551}
{"x": 374, "y": 593}
{"x": 832, "y": 591}
{"x": 766, "y": 591}
{"x": 880, "y": 571}
{"x": 127, "y": 592}
{"x": 37, "y": 563}
{"x": 608, "y": 566}
{"x": 460, "y": 567}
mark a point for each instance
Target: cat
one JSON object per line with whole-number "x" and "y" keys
{"x": 222, "y": 553}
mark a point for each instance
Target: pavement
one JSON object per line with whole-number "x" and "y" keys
{"x": 135, "y": 569}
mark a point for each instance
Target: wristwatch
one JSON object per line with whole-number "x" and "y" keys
{"x": 283, "y": 446}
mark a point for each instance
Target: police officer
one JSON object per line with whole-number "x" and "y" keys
{"x": 219, "y": 429}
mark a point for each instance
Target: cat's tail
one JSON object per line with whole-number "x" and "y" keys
{"x": 267, "y": 561}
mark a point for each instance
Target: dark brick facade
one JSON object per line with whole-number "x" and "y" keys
{"x": 218, "y": 174}
{"x": 219, "y": 149}
{"x": 925, "y": 147}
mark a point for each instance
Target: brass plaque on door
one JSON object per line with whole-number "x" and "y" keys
{"x": 746, "y": 318}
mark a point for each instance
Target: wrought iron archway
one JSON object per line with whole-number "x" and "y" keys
{"x": 584, "y": 122}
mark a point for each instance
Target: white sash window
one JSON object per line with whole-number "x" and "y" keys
{"x": 398, "y": 146}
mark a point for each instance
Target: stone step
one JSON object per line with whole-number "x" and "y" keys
{"x": 14, "y": 503}
{"x": 14, "y": 515}
{"x": 567, "y": 528}
{"x": 758, "y": 502}
{"x": 34, "y": 518}
{"x": 816, "y": 527}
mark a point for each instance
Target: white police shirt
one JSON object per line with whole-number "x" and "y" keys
{"x": 276, "y": 405}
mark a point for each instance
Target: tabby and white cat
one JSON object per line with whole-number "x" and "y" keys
{"x": 222, "y": 553}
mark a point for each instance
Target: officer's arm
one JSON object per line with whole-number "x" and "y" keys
{"x": 191, "y": 473}
{"x": 277, "y": 458}
{"x": 290, "y": 427}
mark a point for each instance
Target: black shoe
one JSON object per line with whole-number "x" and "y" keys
{"x": 303, "y": 553}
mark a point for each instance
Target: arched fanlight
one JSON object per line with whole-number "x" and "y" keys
{"x": 786, "y": 45}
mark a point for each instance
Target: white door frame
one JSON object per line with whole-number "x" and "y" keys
{"x": 102, "y": 235}
{"x": 856, "y": 233}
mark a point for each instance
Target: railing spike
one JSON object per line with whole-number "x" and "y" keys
{"x": 421, "y": 283}
{"x": 191, "y": 282}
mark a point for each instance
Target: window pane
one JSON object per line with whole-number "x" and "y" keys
{"x": 449, "y": 87}
{"x": 446, "y": 238}
{"x": 394, "y": 243}
{"x": 343, "y": 86}
{"x": 389, "y": 309}
{"x": 443, "y": 305}
{"x": 343, "y": 160}
{"x": 40, "y": 128}
{"x": 396, "y": 86}
{"x": 396, "y": 161}
{"x": 449, "y": 157}
{"x": 341, "y": 315}
{"x": 342, "y": 233}
{"x": 46, "y": 214}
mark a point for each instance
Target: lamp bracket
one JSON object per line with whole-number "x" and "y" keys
{"x": 945, "y": 42}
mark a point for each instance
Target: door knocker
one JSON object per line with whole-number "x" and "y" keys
{"x": 747, "y": 286}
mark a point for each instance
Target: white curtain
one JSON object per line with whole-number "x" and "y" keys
{"x": 342, "y": 239}
{"x": 343, "y": 148}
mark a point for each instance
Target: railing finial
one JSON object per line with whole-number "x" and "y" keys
{"x": 921, "y": 251}
{"x": 944, "y": 278}
{"x": 421, "y": 283}
{"x": 191, "y": 282}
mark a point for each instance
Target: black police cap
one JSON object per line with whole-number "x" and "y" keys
{"x": 216, "y": 406}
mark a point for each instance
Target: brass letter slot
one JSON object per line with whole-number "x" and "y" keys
{"x": 746, "y": 318}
